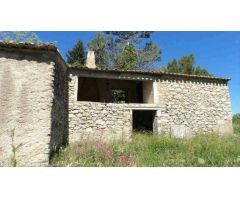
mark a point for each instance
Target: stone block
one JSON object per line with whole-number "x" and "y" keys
{"x": 181, "y": 131}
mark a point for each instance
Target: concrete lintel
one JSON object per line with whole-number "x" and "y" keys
{"x": 116, "y": 75}
{"x": 144, "y": 108}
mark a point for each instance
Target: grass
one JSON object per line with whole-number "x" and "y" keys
{"x": 146, "y": 150}
{"x": 151, "y": 151}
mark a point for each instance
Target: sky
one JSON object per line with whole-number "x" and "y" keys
{"x": 218, "y": 52}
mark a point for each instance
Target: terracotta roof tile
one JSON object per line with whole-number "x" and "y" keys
{"x": 25, "y": 45}
{"x": 154, "y": 73}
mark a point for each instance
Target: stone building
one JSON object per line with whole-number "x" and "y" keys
{"x": 44, "y": 103}
{"x": 33, "y": 103}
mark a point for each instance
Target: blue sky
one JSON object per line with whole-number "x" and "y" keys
{"x": 218, "y": 52}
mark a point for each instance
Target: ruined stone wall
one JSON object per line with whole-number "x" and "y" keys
{"x": 59, "y": 111}
{"x": 31, "y": 106}
{"x": 106, "y": 121}
{"x": 184, "y": 107}
{"x": 194, "y": 106}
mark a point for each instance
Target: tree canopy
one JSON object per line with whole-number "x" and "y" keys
{"x": 118, "y": 49}
{"x": 20, "y": 36}
{"x": 185, "y": 65}
{"x": 111, "y": 47}
{"x": 131, "y": 50}
{"x": 127, "y": 59}
{"x": 101, "y": 45}
{"x": 77, "y": 55}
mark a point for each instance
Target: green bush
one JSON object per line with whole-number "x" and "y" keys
{"x": 236, "y": 124}
{"x": 236, "y": 118}
{"x": 147, "y": 150}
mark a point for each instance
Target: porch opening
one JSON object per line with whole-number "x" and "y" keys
{"x": 114, "y": 90}
{"x": 143, "y": 120}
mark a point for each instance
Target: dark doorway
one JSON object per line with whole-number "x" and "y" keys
{"x": 143, "y": 120}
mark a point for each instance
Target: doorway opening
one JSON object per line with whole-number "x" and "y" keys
{"x": 143, "y": 120}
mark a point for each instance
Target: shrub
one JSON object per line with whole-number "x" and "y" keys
{"x": 236, "y": 123}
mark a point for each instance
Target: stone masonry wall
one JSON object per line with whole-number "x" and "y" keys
{"x": 194, "y": 106}
{"x": 25, "y": 107}
{"x": 184, "y": 106}
{"x": 106, "y": 121}
{"x": 59, "y": 112}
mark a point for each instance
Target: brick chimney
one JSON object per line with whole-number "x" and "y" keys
{"x": 90, "y": 63}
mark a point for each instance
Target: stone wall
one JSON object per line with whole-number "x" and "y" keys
{"x": 184, "y": 107}
{"x": 194, "y": 106}
{"x": 59, "y": 112}
{"x": 106, "y": 121}
{"x": 31, "y": 107}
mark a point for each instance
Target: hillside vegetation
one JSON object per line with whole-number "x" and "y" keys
{"x": 147, "y": 150}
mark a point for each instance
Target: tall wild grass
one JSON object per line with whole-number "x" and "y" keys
{"x": 151, "y": 151}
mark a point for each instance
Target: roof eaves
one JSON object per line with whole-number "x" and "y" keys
{"x": 25, "y": 45}
{"x": 150, "y": 73}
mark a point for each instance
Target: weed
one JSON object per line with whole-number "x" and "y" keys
{"x": 14, "y": 149}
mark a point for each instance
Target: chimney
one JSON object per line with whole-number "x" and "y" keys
{"x": 90, "y": 63}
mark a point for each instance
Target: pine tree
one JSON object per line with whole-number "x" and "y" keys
{"x": 173, "y": 67}
{"x": 77, "y": 55}
{"x": 128, "y": 58}
{"x": 148, "y": 55}
{"x": 101, "y": 47}
{"x": 186, "y": 66}
{"x": 109, "y": 47}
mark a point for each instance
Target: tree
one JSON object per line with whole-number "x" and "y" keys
{"x": 127, "y": 59}
{"x": 132, "y": 37}
{"x": 112, "y": 46}
{"x": 202, "y": 72}
{"x": 77, "y": 55}
{"x": 101, "y": 47}
{"x": 148, "y": 55}
{"x": 20, "y": 36}
{"x": 173, "y": 67}
{"x": 186, "y": 66}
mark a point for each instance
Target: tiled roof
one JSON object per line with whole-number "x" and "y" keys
{"x": 153, "y": 73}
{"x": 24, "y": 45}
